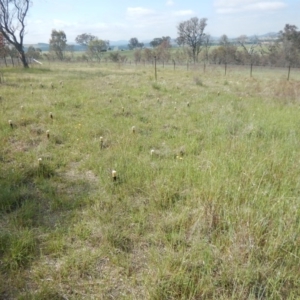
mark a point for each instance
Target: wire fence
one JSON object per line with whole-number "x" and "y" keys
{"x": 201, "y": 67}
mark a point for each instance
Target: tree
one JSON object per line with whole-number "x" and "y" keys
{"x": 4, "y": 51}
{"x": 207, "y": 45}
{"x": 13, "y": 53}
{"x": 227, "y": 51}
{"x": 250, "y": 50}
{"x": 290, "y": 40}
{"x": 147, "y": 54}
{"x": 166, "y": 40}
{"x": 291, "y": 34}
{"x": 84, "y": 39}
{"x": 156, "y": 42}
{"x": 134, "y": 43}
{"x": 33, "y": 52}
{"x": 137, "y": 55}
{"x": 115, "y": 56}
{"x": 96, "y": 47}
{"x": 12, "y": 24}
{"x": 58, "y": 43}
{"x": 162, "y": 52}
{"x": 191, "y": 33}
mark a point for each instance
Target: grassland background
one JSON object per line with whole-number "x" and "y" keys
{"x": 211, "y": 213}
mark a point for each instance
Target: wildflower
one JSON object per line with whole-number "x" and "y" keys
{"x": 40, "y": 160}
{"x": 48, "y": 134}
{"x": 133, "y": 129}
{"x": 10, "y": 123}
{"x": 152, "y": 152}
{"x": 114, "y": 175}
{"x": 101, "y": 142}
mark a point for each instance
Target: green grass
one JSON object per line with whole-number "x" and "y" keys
{"x": 206, "y": 200}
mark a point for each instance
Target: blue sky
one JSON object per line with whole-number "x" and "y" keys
{"x": 120, "y": 20}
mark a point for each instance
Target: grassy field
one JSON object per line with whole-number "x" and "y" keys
{"x": 205, "y": 202}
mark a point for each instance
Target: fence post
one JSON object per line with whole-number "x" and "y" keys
{"x": 155, "y": 68}
{"x": 289, "y": 71}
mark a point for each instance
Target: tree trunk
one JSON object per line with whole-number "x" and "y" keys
{"x": 23, "y": 57}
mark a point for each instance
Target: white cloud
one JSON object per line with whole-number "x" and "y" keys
{"x": 170, "y": 3}
{"x": 137, "y": 12}
{"x": 236, "y": 6}
{"x": 35, "y": 22}
{"x": 60, "y": 23}
{"x": 183, "y": 13}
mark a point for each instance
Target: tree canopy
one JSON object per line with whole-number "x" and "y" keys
{"x": 158, "y": 41}
{"x": 84, "y": 39}
{"x": 96, "y": 47}
{"x": 58, "y": 43}
{"x": 134, "y": 43}
{"x": 191, "y": 33}
{"x": 290, "y": 39}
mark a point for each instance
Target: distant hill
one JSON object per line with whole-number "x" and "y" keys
{"x": 45, "y": 47}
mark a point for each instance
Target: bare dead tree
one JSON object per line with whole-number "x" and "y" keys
{"x": 12, "y": 24}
